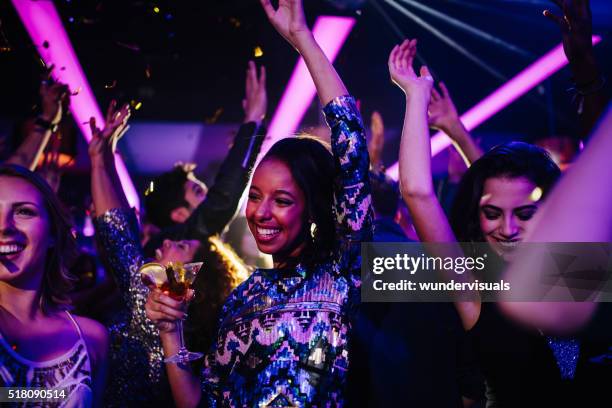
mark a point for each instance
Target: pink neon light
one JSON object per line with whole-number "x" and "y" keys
{"x": 330, "y": 33}
{"x": 44, "y": 24}
{"x": 504, "y": 96}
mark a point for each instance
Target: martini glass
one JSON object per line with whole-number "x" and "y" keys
{"x": 175, "y": 279}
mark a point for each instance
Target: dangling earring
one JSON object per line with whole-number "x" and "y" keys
{"x": 313, "y": 230}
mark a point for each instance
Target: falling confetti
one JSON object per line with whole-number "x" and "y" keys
{"x": 46, "y": 44}
{"x": 135, "y": 104}
{"x": 129, "y": 46}
{"x": 150, "y": 189}
{"x": 111, "y": 85}
{"x": 77, "y": 91}
{"x": 215, "y": 117}
{"x": 258, "y": 52}
{"x": 156, "y": 10}
{"x": 148, "y": 72}
{"x": 235, "y": 22}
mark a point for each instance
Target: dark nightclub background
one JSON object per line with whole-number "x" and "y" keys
{"x": 184, "y": 63}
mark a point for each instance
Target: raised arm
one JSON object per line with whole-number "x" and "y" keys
{"x": 575, "y": 24}
{"x": 416, "y": 182}
{"x": 53, "y": 95}
{"x": 577, "y": 210}
{"x": 105, "y": 185}
{"x": 443, "y": 116}
{"x": 223, "y": 198}
{"x": 349, "y": 146}
{"x": 288, "y": 19}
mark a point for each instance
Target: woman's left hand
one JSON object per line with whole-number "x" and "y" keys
{"x": 104, "y": 142}
{"x": 288, "y": 20}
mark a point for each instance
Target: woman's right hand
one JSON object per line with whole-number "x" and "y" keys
{"x": 403, "y": 74}
{"x": 164, "y": 311}
{"x": 288, "y": 19}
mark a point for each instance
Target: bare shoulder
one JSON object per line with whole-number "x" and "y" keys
{"x": 96, "y": 337}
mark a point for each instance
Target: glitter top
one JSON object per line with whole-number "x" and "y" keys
{"x": 135, "y": 368}
{"x": 283, "y": 332}
{"x": 566, "y": 352}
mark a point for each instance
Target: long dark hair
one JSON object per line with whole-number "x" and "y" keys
{"x": 511, "y": 160}
{"x": 222, "y": 271}
{"x": 57, "y": 281}
{"x": 312, "y": 167}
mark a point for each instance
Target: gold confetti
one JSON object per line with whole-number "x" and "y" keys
{"x": 156, "y": 10}
{"x": 258, "y": 52}
{"x": 138, "y": 106}
{"x": 215, "y": 117}
{"x": 235, "y": 22}
{"x": 150, "y": 189}
{"x": 536, "y": 194}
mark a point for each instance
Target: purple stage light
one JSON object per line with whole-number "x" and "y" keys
{"x": 44, "y": 25}
{"x": 504, "y": 96}
{"x": 330, "y": 33}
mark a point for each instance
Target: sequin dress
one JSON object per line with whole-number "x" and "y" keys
{"x": 283, "y": 338}
{"x": 136, "y": 371}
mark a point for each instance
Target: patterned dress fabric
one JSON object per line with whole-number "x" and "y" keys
{"x": 283, "y": 338}
{"x": 70, "y": 372}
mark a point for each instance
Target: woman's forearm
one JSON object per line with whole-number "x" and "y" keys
{"x": 184, "y": 384}
{"x": 106, "y": 190}
{"x": 326, "y": 79}
{"x": 415, "y": 151}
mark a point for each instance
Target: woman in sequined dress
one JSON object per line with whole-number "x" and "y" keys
{"x": 283, "y": 337}
{"x": 41, "y": 343}
{"x": 495, "y": 203}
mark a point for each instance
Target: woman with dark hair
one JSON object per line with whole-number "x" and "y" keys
{"x": 496, "y": 203}
{"x": 41, "y": 343}
{"x": 283, "y": 335}
{"x": 514, "y": 162}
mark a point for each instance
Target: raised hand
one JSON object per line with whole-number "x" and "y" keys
{"x": 442, "y": 111}
{"x": 288, "y": 19}
{"x": 255, "y": 102}
{"x": 576, "y": 27}
{"x": 104, "y": 142}
{"x": 53, "y": 96}
{"x": 403, "y": 74}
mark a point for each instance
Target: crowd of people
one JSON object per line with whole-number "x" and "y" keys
{"x": 297, "y": 334}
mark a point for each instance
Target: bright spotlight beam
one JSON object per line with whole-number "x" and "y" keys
{"x": 446, "y": 39}
{"x": 400, "y": 34}
{"x": 470, "y": 29}
{"x": 543, "y": 68}
{"x": 42, "y": 22}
